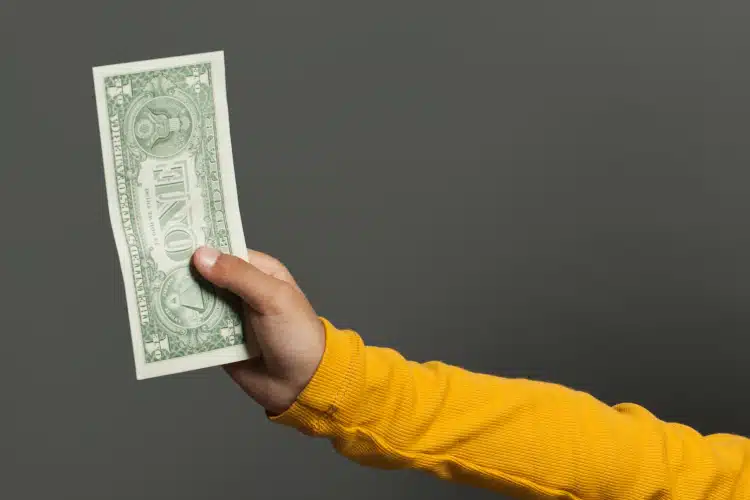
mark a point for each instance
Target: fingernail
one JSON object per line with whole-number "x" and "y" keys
{"x": 207, "y": 257}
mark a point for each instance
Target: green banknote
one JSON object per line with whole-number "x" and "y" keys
{"x": 169, "y": 175}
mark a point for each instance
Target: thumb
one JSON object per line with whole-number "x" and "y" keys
{"x": 258, "y": 289}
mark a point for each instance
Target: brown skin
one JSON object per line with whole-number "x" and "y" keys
{"x": 289, "y": 333}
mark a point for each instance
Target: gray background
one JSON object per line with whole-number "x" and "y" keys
{"x": 555, "y": 190}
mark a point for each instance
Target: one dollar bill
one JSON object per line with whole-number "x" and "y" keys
{"x": 167, "y": 155}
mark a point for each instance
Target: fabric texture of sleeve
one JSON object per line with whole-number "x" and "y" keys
{"x": 524, "y": 438}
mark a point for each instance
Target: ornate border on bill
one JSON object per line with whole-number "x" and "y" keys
{"x": 167, "y": 157}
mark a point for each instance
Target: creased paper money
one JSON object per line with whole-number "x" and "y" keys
{"x": 167, "y": 157}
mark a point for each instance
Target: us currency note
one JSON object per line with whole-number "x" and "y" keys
{"x": 167, "y": 156}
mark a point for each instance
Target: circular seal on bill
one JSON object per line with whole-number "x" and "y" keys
{"x": 185, "y": 304}
{"x": 163, "y": 126}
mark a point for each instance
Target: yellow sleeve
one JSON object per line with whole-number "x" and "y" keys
{"x": 523, "y": 438}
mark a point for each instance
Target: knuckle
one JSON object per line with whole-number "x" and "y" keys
{"x": 276, "y": 262}
{"x": 279, "y": 269}
{"x": 284, "y": 270}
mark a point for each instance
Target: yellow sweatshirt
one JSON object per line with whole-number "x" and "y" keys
{"x": 523, "y": 438}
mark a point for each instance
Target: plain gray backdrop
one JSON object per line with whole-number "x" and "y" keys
{"x": 556, "y": 190}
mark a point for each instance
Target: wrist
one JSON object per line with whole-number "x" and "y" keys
{"x": 330, "y": 385}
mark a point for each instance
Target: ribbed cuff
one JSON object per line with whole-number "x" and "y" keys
{"x": 331, "y": 386}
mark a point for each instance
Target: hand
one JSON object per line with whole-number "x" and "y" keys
{"x": 290, "y": 335}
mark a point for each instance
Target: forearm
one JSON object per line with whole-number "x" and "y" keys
{"x": 521, "y": 437}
